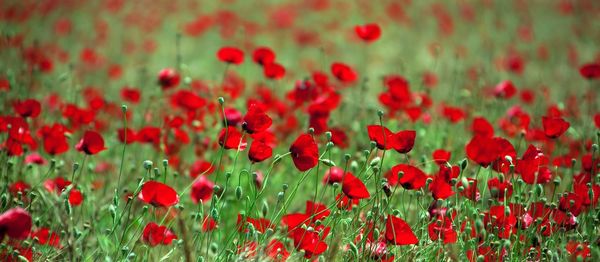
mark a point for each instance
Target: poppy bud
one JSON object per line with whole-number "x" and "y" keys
{"x": 328, "y": 162}
{"x": 311, "y": 131}
{"x": 156, "y": 172}
{"x": 214, "y": 247}
{"x": 328, "y": 135}
{"x": 75, "y": 166}
{"x": 238, "y": 192}
{"x": 556, "y": 181}
{"x": 594, "y": 147}
{"x": 124, "y": 108}
{"x": 386, "y": 189}
{"x": 165, "y": 163}
{"x": 346, "y": 157}
{"x": 280, "y": 196}
{"x": 463, "y": 164}
{"x": 221, "y": 100}
{"x": 375, "y": 162}
{"x": 380, "y": 113}
{"x": 147, "y": 164}
{"x": 265, "y": 208}
{"x": 284, "y": 187}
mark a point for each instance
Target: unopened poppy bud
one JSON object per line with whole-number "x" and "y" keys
{"x": 284, "y": 187}
{"x": 509, "y": 159}
{"x": 328, "y": 135}
{"x": 156, "y": 172}
{"x": 329, "y": 145}
{"x": 328, "y": 162}
{"x": 187, "y": 80}
{"x": 221, "y": 100}
{"x": 311, "y": 131}
{"x": 428, "y": 181}
{"x": 373, "y": 145}
{"x": 214, "y": 214}
{"x": 380, "y": 113}
{"x": 68, "y": 206}
{"x": 335, "y": 185}
{"x": 75, "y": 166}
{"x": 265, "y": 208}
{"x": 594, "y": 147}
{"x": 227, "y": 175}
{"x": 573, "y": 161}
{"x": 354, "y": 166}
{"x": 147, "y": 164}
{"x": 539, "y": 190}
{"x": 238, "y": 192}
{"x": 124, "y": 108}
{"x": 280, "y": 196}
{"x": 400, "y": 175}
{"x": 396, "y": 212}
{"x": 464, "y": 163}
{"x": 375, "y": 162}
{"x": 386, "y": 189}
{"x": 268, "y": 232}
{"x": 165, "y": 163}
{"x": 347, "y": 157}
{"x": 214, "y": 247}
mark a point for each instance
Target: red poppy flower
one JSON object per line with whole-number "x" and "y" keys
{"x": 381, "y": 135}
{"x": 486, "y": 150}
{"x": 149, "y": 134}
{"x": 187, "y": 100}
{"x": 590, "y": 71}
{"x": 256, "y": 120}
{"x": 440, "y": 188}
{"x": 453, "y": 114}
{"x": 312, "y": 242}
{"x": 202, "y": 189}
{"x": 75, "y": 197}
{"x": 305, "y": 152}
{"x": 19, "y": 187}
{"x": 554, "y": 126}
{"x": 481, "y": 127}
{"x": 500, "y": 190}
{"x": 168, "y": 78}
{"x": 368, "y": 32}
{"x": 127, "y": 136}
{"x": 404, "y": 141}
{"x": 353, "y": 187}
{"x": 91, "y": 143}
{"x": 441, "y": 228}
{"x": 158, "y": 194}
{"x": 154, "y": 235}
{"x": 505, "y": 90}
{"x": 343, "y": 72}
{"x": 55, "y": 141}
{"x": 28, "y": 108}
{"x": 209, "y": 224}
{"x": 259, "y": 151}
{"x": 576, "y": 250}
{"x": 231, "y": 55}
{"x": 333, "y": 175}
{"x": 201, "y": 167}
{"x": 412, "y": 178}
{"x": 231, "y": 138}
{"x": 260, "y": 224}
{"x": 263, "y": 56}
{"x": 398, "y": 232}
{"x": 532, "y": 166}
{"x": 470, "y": 190}
{"x": 274, "y": 70}
{"x": 276, "y": 251}
{"x": 441, "y": 156}
{"x": 131, "y": 95}
{"x": 46, "y": 237}
{"x": 16, "y": 223}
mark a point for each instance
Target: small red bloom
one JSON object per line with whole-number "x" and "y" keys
{"x": 441, "y": 228}
{"x": 590, "y": 71}
{"x": 274, "y": 70}
{"x": 305, "y": 152}
{"x": 231, "y": 138}
{"x": 404, "y": 141}
{"x": 440, "y": 188}
{"x": 91, "y": 143}
{"x": 259, "y": 151}
{"x": 201, "y": 167}
{"x": 202, "y": 189}
{"x": 381, "y": 135}
{"x": 353, "y": 187}
{"x": 276, "y": 251}
{"x": 398, "y": 232}
{"x": 16, "y": 223}
{"x": 256, "y": 120}
{"x": 412, "y": 177}
{"x": 260, "y": 224}
{"x": 505, "y": 90}
{"x": 168, "y": 78}
{"x": 554, "y": 126}
{"x": 131, "y": 95}
{"x": 441, "y": 156}
{"x": 231, "y": 55}
{"x": 28, "y": 108}
{"x": 263, "y": 56}
{"x": 158, "y": 194}
{"x": 154, "y": 235}
{"x": 368, "y": 32}
{"x": 333, "y": 175}
{"x": 46, "y": 237}
{"x": 343, "y": 72}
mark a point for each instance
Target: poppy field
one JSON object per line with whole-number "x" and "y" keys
{"x": 315, "y": 130}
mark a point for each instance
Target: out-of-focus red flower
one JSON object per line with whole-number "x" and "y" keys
{"x": 28, "y": 108}
{"x": 590, "y": 71}
{"x": 256, "y": 120}
{"x": 263, "y": 56}
{"x": 353, "y": 187}
{"x": 15, "y": 223}
{"x": 168, "y": 78}
{"x": 368, "y": 32}
{"x": 231, "y": 55}
{"x": 91, "y": 143}
{"x": 231, "y": 138}
{"x": 554, "y": 126}
{"x": 343, "y": 72}
{"x": 202, "y": 189}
